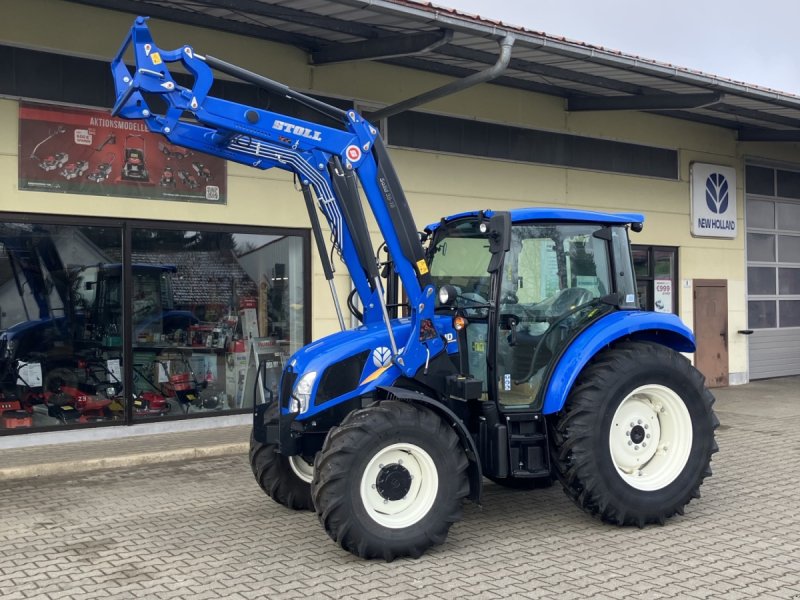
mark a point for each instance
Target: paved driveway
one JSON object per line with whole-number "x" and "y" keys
{"x": 203, "y": 529}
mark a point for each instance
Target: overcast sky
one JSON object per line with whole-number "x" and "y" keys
{"x": 743, "y": 40}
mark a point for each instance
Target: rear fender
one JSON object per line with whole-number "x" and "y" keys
{"x": 665, "y": 329}
{"x": 474, "y": 472}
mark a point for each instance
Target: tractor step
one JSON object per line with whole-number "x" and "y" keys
{"x": 527, "y": 445}
{"x": 514, "y": 445}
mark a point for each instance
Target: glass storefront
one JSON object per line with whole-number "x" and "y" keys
{"x": 181, "y": 324}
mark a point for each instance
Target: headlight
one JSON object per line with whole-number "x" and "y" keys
{"x": 301, "y": 397}
{"x": 447, "y": 295}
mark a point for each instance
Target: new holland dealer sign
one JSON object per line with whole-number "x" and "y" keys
{"x": 713, "y": 201}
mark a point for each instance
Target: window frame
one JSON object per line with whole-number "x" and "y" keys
{"x": 650, "y": 278}
{"x": 776, "y": 232}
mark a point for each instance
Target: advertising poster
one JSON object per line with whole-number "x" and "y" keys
{"x": 663, "y": 296}
{"x": 77, "y": 151}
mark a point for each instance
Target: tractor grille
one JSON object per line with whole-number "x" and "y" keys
{"x": 341, "y": 377}
{"x": 287, "y": 385}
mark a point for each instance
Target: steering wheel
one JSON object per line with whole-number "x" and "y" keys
{"x": 570, "y": 298}
{"x": 473, "y": 297}
{"x": 474, "y": 304}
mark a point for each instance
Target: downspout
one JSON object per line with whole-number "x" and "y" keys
{"x": 453, "y": 87}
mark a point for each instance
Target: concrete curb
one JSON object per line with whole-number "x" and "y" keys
{"x": 126, "y": 460}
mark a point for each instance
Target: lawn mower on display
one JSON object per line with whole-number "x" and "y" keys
{"x": 74, "y": 170}
{"x": 54, "y": 162}
{"x": 187, "y": 179}
{"x": 202, "y": 171}
{"x": 12, "y": 415}
{"x": 133, "y": 168}
{"x": 167, "y": 177}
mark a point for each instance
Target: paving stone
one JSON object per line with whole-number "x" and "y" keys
{"x": 203, "y": 529}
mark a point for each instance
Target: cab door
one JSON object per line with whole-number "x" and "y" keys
{"x": 552, "y": 279}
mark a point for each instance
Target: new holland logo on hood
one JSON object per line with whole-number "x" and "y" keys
{"x": 382, "y": 359}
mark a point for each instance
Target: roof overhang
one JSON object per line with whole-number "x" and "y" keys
{"x": 423, "y": 36}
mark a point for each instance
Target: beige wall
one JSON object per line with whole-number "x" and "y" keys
{"x": 436, "y": 184}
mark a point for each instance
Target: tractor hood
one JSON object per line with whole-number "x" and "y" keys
{"x": 343, "y": 365}
{"x": 347, "y": 364}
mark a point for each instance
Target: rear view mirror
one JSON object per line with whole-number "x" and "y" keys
{"x": 499, "y": 239}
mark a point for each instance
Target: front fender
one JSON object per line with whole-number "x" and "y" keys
{"x": 665, "y": 329}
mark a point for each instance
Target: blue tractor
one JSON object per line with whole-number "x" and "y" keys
{"x": 521, "y": 354}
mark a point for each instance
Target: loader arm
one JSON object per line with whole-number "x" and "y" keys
{"x": 331, "y": 161}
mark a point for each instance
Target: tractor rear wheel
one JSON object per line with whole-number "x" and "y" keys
{"x": 634, "y": 441}
{"x": 287, "y": 480}
{"x": 390, "y": 481}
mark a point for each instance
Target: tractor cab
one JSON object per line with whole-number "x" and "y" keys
{"x": 525, "y": 291}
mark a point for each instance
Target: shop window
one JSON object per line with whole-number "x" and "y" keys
{"x": 207, "y": 306}
{"x": 656, "y": 269}
{"x": 60, "y": 354}
{"x": 180, "y": 326}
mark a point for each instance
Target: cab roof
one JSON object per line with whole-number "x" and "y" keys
{"x": 540, "y": 214}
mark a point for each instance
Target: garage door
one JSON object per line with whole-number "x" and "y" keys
{"x": 773, "y": 271}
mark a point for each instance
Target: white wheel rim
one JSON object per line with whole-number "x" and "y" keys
{"x": 301, "y": 468}
{"x": 421, "y": 493}
{"x": 650, "y": 437}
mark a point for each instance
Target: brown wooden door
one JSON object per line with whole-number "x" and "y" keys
{"x": 711, "y": 330}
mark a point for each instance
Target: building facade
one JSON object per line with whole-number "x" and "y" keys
{"x": 213, "y": 261}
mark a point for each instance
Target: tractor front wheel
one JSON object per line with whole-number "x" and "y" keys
{"x": 390, "y": 481}
{"x": 287, "y": 480}
{"x": 635, "y": 439}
